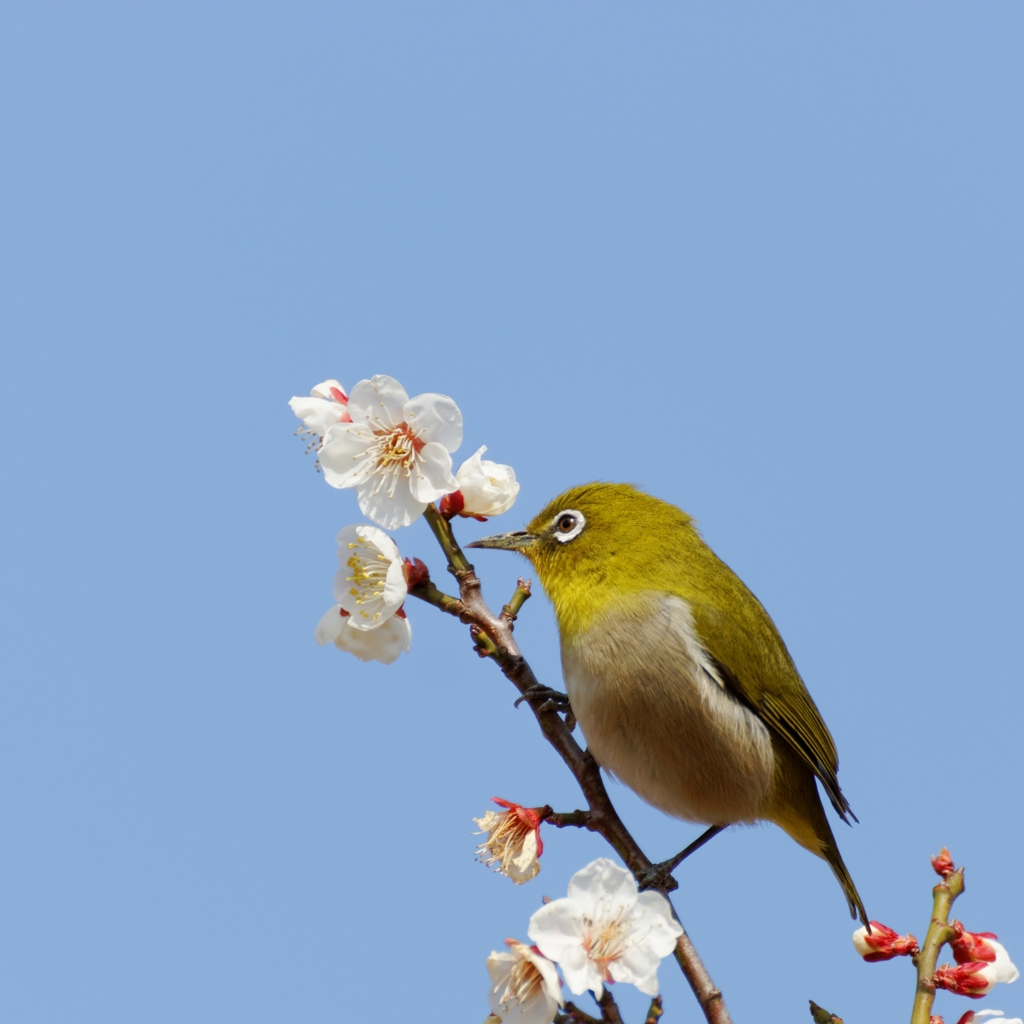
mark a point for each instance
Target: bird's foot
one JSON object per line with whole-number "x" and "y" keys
{"x": 552, "y": 700}
{"x": 659, "y": 876}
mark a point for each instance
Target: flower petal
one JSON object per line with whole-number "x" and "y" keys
{"x": 552, "y": 988}
{"x": 638, "y": 966}
{"x": 384, "y": 644}
{"x": 323, "y": 389}
{"x": 378, "y": 402}
{"x": 557, "y": 928}
{"x": 579, "y": 971}
{"x": 395, "y": 589}
{"x": 654, "y": 921}
{"x": 392, "y": 511}
{"x": 343, "y": 454}
{"x": 363, "y": 532}
{"x": 1006, "y": 969}
{"x": 329, "y": 626}
{"x": 431, "y": 477}
{"x": 603, "y": 889}
{"x": 317, "y": 414}
{"x": 435, "y": 418}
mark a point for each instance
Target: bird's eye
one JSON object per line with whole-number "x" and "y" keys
{"x": 568, "y": 524}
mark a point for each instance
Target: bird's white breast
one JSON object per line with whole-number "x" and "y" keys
{"x": 656, "y": 715}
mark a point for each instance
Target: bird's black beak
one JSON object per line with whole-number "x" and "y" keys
{"x": 521, "y": 541}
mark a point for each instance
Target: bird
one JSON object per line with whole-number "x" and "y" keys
{"x": 679, "y": 679}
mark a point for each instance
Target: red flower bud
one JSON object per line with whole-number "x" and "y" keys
{"x": 452, "y": 504}
{"x": 974, "y": 980}
{"x": 883, "y": 943}
{"x": 943, "y": 864}
{"x": 969, "y": 946}
{"x": 415, "y": 572}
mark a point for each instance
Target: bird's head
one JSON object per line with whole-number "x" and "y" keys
{"x": 595, "y": 536}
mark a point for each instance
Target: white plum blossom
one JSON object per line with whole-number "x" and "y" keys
{"x": 513, "y": 840}
{"x": 485, "y": 488}
{"x": 396, "y": 451}
{"x": 384, "y": 644}
{"x": 370, "y": 585}
{"x": 524, "y": 986}
{"x": 327, "y": 404}
{"x": 605, "y": 930}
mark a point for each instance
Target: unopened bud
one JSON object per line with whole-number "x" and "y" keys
{"x": 416, "y": 572}
{"x": 973, "y": 980}
{"x": 452, "y": 504}
{"x": 943, "y": 864}
{"x": 969, "y": 947}
{"x": 485, "y": 489}
{"x": 882, "y": 943}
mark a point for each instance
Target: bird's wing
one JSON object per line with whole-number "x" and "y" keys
{"x": 756, "y": 668}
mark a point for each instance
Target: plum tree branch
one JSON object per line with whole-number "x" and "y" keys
{"x": 939, "y": 933}
{"x": 492, "y": 637}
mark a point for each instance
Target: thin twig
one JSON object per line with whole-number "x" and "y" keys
{"x": 566, "y": 819}
{"x": 655, "y": 1012}
{"x": 574, "y": 1015}
{"x": 519, "y": 598}
{"x": 939, "y": 933}
{"x": 601, "y": 815}
{"x": 609, "y": 1008}
{"x": 822, "y": 1016}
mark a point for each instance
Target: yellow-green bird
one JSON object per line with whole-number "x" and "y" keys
{"x": 679, "y": 679}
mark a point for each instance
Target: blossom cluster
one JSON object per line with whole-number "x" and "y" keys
{"x": 604, "y": 931}
{"x": 396, "y": 453}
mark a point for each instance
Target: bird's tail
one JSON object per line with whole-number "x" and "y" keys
{"x": 835, "y": 861}
{"x": 796, "y": 807}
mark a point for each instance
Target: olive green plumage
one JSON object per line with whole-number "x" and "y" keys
{"x": 678, "y": 676}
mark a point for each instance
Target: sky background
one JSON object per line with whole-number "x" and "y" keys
{"x": 762, "y": 260}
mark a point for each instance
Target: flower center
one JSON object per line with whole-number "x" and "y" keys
{"x": 605, "y": 944}
{"x": 524, "y": 982}
{"x": 368, "y": 574}
{"x": 507, "y": 841}
{"x": 393, "y": 453}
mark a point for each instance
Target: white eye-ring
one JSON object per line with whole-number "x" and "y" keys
{"x": 569, "y": 524}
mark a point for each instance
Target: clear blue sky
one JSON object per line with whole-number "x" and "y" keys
{"x": 763, "y": 260}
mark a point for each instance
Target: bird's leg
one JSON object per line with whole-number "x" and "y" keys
{"x": 659, "y": 876}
